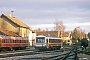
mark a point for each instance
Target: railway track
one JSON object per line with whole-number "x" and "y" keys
{"x": 30, "y": 53}
{"x": 69, "y": 53}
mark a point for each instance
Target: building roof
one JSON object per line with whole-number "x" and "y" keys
{"x": 8, "y": 33}
{"x": 15, "y": 20}
{"x": 50, "y": 33}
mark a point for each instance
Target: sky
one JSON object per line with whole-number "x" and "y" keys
{"x": 43, "y": 13}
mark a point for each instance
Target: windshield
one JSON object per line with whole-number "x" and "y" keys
{"x": 40, "y": 39}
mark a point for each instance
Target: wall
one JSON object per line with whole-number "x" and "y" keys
{"x": 6, "y": 24}
{"x": 24, "y": 32}
{"x": 32, "y": 37}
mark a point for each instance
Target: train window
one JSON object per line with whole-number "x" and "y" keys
{"x": 3, "y": 41}
{"x": 54, "y": 41}
{"x": 27, "y": 41}
{"x": 6, "y": 41}
{"x": 40, "y": 39}
{"x": 24, "y": 41}
{"x": 20, "y": 41}
{"x": 14, "y": 41}
{"x": 10, "y": 41}
{"x": 17, "y": 41}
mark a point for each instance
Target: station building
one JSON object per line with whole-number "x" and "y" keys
{"x": 13, "y": 24}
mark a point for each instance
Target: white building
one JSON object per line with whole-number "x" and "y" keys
{"x": 32, "y": 37}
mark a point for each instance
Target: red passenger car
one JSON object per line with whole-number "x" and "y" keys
{"x": 12, "y": 43}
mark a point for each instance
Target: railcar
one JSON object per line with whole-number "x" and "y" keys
{"x": 47, "y": 42}
{"x": 12, "y": 43}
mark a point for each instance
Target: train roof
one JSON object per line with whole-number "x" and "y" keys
{"x": 48, "y": 36}
{"x": 53, "y": 37}
{"x": 40, "y": 36}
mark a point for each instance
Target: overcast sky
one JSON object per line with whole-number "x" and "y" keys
{"x": 43, "y": 13}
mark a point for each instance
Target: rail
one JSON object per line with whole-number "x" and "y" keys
{"x": 69, "y": 55}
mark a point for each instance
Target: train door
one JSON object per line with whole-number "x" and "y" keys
{"x": 61, "y": 43}
{"x": 47, "y": 41}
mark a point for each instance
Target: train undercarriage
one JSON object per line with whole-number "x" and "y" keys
{"x": 48, "y": 48}
{"x": 12, "y": 48}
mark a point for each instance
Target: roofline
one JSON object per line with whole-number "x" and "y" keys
{"x": 14, "y": 22}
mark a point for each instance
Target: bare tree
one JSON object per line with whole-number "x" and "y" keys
{"x": 59, "y": 27}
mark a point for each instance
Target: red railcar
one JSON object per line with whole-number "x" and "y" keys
{"x": 13, "y": 43}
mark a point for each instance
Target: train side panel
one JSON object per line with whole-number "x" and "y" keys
{"x": 9, "y": 43}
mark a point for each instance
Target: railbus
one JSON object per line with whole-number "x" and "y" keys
{"x": 47, "y": 42}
